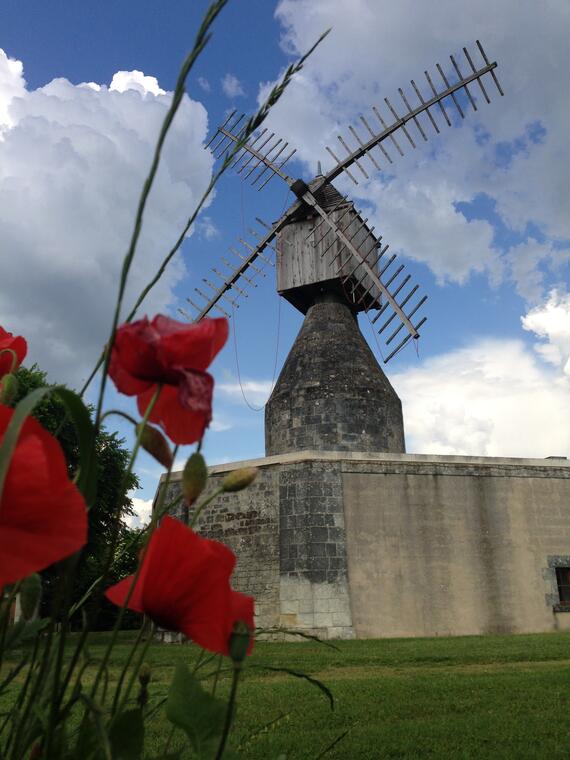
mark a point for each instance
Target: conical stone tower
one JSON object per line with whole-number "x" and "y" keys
{"x": 331, "y": 394}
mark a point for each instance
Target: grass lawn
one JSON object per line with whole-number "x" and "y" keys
{"x": 470, "y": 697}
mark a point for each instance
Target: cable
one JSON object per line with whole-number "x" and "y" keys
{"x": 247, "y": 402}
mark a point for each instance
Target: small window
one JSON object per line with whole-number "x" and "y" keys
{"x": 563, "y": 581}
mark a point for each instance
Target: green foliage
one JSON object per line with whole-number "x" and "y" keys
{"x": 112, "y": 460}
{"x": 191, "y": 708}
{"x": 127, "y": 735}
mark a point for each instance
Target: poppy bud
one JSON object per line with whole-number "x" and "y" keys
{"x": 239, "y": 479}
{"x": 30, "y": 595}
{"x": 239, "y": 641}
{"x": 194, "y": 477}
{"x": 144, "y": 674}
{"x": 8, "y": 389}
{"x": 155, "y": 443}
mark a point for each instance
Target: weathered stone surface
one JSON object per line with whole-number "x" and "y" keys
{"x": 248, "y": 522}
{"x": 331, "y": 394}
{"x": 344, "y": 544}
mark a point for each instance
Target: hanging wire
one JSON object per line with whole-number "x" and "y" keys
{"x": 234, "y": 330}
{"x": 247, "y": 402}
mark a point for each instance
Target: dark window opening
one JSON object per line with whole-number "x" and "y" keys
{"x": 563, "y": 581}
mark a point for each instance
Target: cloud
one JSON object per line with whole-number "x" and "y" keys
{"x": 551, "y": 321}
{"x": 12, "y": 85}
{"x": 469, "y": 401}
{"x": 137, "y": 81}
{"x": 256, "y": 392}
{"x": 73, "y": 159}
{"x": 207, "y": 228}
{"x": 232, "y": 87}
{"x": 512, "y": 152}
{"x": 142, "y": 512}
{"x": 204, "y": 84}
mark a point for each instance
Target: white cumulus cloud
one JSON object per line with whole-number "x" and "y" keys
{"x": 232, "y": 87}
{"x": 142, "y": 512}
{"x": 135, "y": 80}
{"x": 514, "y": 151}
{"x": 256, "y": 392}
{"x": 491, "y": 398}
{"x": 204, "y": 84}
{"x": 551, "y": 321}
{"x": 73, "y": 159}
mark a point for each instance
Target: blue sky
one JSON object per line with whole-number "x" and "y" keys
{"x": 479, "y": 215}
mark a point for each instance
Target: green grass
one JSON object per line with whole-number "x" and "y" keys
{"x": 471, "y": 697}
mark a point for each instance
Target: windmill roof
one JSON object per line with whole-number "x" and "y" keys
{"x": 327, "y": 195}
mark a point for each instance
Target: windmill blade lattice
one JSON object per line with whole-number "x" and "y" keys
{"x": 357, "y": 259}
{"x": 247, "y": 254}
{"x": 364, "y": 273}
{"x": 399, "y": 126}
{"x": 260, "y": 156}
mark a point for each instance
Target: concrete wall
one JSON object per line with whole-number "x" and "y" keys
{"x": 376, "y": 545}
{"x": 455, "y": 548}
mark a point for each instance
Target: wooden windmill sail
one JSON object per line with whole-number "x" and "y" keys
{"x": 322, "y": 239}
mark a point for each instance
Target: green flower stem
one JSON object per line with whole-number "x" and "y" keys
{"x": 201, "y": 39}
{"x": 5, "y": 621}
{"x": 111, "y": 552}
{"x": 159, "y": 509}
{"x": 77, "y": 606}
{"x": 141, "y": 658}
{"x": 169, "y": 739}
{"x": 126, "y": 666}
{"x": 119, "y": 413}
{"x": 21, "y": 695}
{"x": 61, "y": 606}
{"x": 230, "y": 710}
{"x": 24, "y": 723}
{"x": 217, "y": 676}
{"x": 253, "y": 123}
{"x": 204, "y": 504}
{"x": 14, "y": 359}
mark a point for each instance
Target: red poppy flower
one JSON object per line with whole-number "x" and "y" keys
{"x": 184, "y": 585}
{"x": 43, "y": 517}
{"x": 175, "y": 354}
{"x": 17, "y": 344}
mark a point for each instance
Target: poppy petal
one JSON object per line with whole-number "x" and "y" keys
{"x": 184, "y": 586}
{"x": 14, "y": 343}
{"x": 190, "y": 346}
{"x": 43, "y": 516}
{"x": 180, "y": 424}
{"x": 120, "y": 591}
{"x": 134, "y": 363}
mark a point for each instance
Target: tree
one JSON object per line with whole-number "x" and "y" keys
{"x": 112, "y": 495}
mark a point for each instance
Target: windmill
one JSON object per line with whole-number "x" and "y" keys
{"x": 324, "y": 249}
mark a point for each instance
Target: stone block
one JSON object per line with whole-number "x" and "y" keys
{"x": 322, "y": 605}
{"x": 323, "y": 590}
{"x": 305, "y": 620}
{"x": 290, "y": 608}
{"x": 341, "y": 619}
{"x": 323, "y": 619}
{"x": 341, "y": 632}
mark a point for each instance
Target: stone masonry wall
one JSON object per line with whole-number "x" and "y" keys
{"x": 345, "y": 544}
{"x": 330, "y": 398}
{"x": 248, "y": 522}
{"x": 312, "y": 541}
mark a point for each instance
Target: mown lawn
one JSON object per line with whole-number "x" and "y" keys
{"x": 470, "y": 697}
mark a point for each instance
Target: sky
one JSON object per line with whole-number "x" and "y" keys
{"x": 479, "y": 215}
